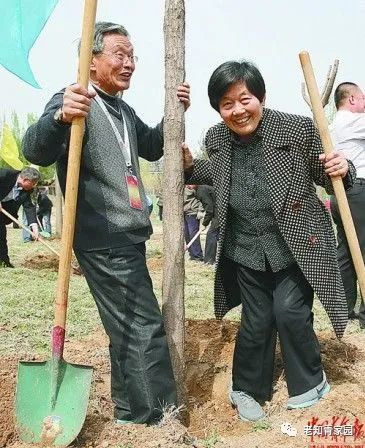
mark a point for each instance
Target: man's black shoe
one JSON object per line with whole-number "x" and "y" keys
{"x": 6, "y": 264}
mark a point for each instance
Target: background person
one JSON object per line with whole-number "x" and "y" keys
{"x": 348, "y": 135}
{"x": 159, "y": 205}
{"x": 193, "y": 213}
{"x": 205, "y": 193}
{"x": 44, "y": 210}
{"x": 15, "y": 191}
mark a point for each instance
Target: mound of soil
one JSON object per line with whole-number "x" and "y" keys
{"x": 7, "y": 391}
{"x": 209, "y": 349}
{"x": 48, "y": 261}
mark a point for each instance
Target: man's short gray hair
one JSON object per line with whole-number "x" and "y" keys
{"x": 31, "y": 174}
{"x": 102, "y": 28}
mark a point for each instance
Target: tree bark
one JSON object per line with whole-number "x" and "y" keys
{"x": 173, "y": 235}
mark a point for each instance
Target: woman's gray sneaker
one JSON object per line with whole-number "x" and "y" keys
{"x": 247, "y": 407}
{"x": 311, "y": 396}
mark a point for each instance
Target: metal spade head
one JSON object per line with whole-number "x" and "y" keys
{"x": 43, "y": 416}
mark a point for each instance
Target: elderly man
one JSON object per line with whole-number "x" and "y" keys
{"x": 112, "y": 219}
{"x": 348, "y": 134}
{"x": 15, "y": 190}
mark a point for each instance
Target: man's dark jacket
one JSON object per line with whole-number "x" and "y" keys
{"x": 8, "y": 178}
{"x": 206, "y": 195}
{"x": 44, "y": 204}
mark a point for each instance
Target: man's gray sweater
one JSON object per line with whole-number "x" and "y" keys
{"x": 104, "y": 217}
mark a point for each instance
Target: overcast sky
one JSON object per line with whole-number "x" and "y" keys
{"x": 270, "y": 33}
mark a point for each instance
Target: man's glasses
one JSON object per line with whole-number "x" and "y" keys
{"x": 123, "y": 58}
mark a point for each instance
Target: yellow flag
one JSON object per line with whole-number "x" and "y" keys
{"x": 9, "y": 151}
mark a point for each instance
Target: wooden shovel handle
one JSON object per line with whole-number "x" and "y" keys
{"x": 41, "y": 240}
{"x": 73, "y": 170}
{"x": 190, "y": 243}
{"x": 339, "y": 190}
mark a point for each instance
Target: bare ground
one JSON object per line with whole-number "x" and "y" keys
{"x": 212, "y": 421}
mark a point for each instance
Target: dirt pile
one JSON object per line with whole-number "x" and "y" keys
{"x": 47, "y": 261}
{"x": 7, "y": 391}
{"x": 209, "y": 349}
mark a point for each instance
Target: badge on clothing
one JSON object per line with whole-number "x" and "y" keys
{"x": 133, "y": 191}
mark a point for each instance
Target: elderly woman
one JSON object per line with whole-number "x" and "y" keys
{"x": 276, "y": 246}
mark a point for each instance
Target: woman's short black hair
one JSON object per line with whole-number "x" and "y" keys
{"x": 230, "y": 73}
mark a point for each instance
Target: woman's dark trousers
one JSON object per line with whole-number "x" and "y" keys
{"x": 275, "y": 303}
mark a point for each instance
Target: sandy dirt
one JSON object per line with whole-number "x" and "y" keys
{"x": 47, "y": 261}
{"x": 212, "y": 421}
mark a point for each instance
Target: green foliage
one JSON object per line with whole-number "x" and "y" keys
{"x": 18, "y": 130}
{"x": 261, "y": 426}
{"x": 152, "y": 179}
{"x": 201, "y": 151}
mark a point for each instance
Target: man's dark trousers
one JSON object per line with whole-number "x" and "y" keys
{"x": 141, "y": 372}
{"x": 356, "y": 200}
{"x": 191, "y": 228}
{"x": 4, "y": 256}
{"x": 274, "y": 302}
{"x": 210, "y": 250}
{"x": 4, "y": 220}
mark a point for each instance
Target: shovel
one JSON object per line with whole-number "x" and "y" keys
{"x": 190, "y": 243}
{"x": 76, "y": 269}
{"x": 43, "y": 232}
{"x": 52, "y": 396}
{"x": 27, "y": 229}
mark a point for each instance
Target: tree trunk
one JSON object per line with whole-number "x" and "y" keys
{"x": 173, "y": 219}
{"x": 58, "y": 206}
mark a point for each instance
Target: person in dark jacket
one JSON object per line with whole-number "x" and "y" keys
{"x": 206, "y": 195}
{"x": 112, "y": 219}
{"x": 15, "y": 190}
{"x": 193, "y": 213}
{"x": 44, "y": 210}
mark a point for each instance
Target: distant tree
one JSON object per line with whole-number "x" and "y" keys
{"x": 327, "y": 100}
{"x": 201, "y": 152}
{"x": 327, "y": 89}
{"x": 151, "y": 174}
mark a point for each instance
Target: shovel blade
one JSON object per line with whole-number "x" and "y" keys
{"x": 37, "y": 420}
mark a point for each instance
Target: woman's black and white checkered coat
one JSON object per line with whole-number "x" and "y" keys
{"x": 291, "y": 147}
